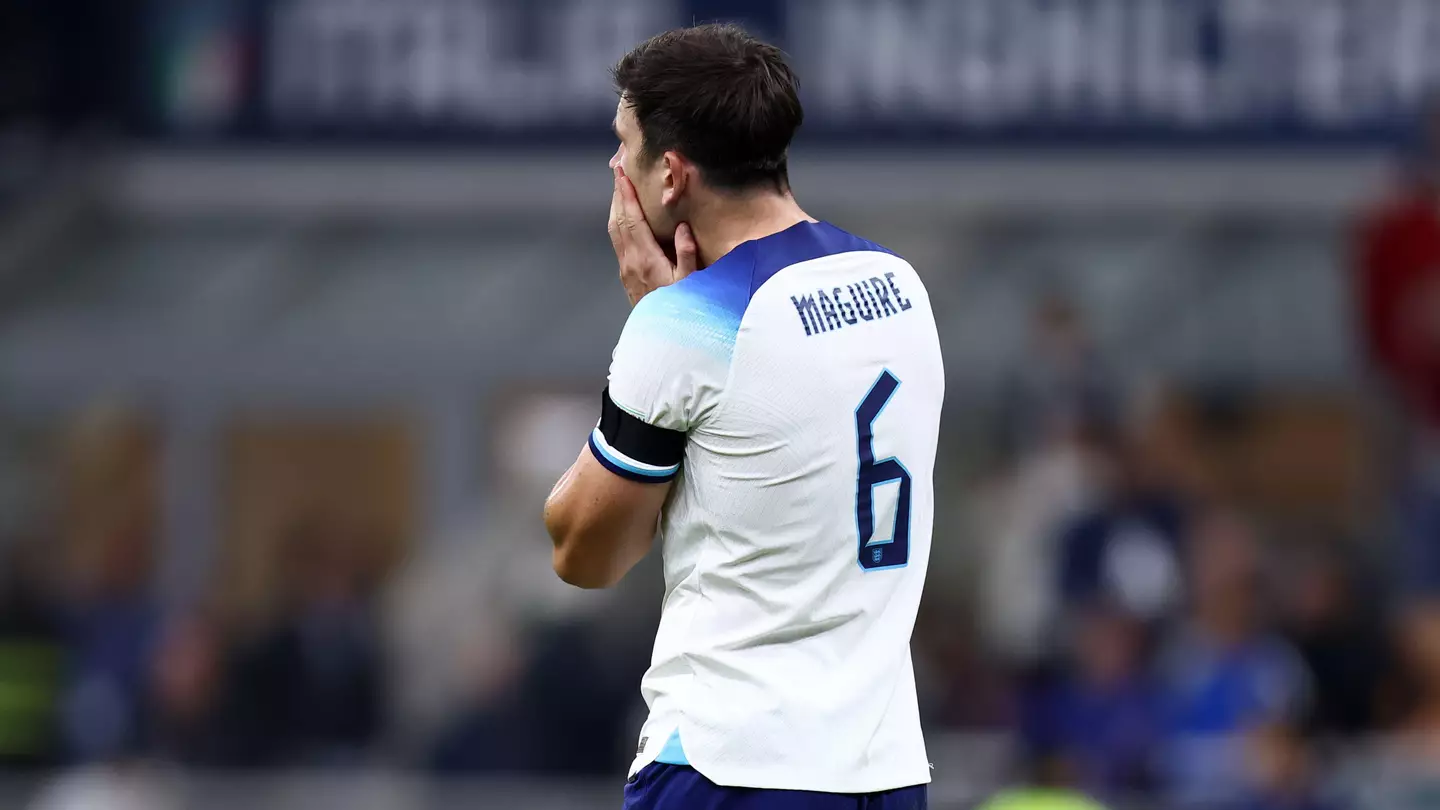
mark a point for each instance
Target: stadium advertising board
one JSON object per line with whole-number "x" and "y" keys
{"x": 533, "y": 72}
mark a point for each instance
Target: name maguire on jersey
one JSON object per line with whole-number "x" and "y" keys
{"x": 865, "y": 300}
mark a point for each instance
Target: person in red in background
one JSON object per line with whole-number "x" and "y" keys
{"x": 1397, "y": 285}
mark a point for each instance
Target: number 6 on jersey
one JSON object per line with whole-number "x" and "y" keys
{"x": 876, "y": 555}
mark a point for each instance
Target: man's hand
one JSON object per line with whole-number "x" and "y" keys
{"x": 643, "y": 264}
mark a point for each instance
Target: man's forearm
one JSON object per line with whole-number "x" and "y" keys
{"x": 598, "y": 533}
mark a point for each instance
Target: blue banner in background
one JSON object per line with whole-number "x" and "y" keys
{"x": 881, "y": 73}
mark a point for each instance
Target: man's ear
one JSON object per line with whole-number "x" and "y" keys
{"x": 675, "y": 179}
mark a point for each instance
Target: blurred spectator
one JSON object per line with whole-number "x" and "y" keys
{"x": 451, "y": 634}
{"x": 108, "y": 546}
{"x": 1417, "y": 563}
{"x": 1419, "y": 640}
{"x": 1281, "y": 771}
{"x": 309, "y": 689}
{"x": 1401, "y": 771}
{"x": 1058, "y": 408}
{"x": 1397, "y": 284}
{"x": 487, "y": 731}
{"x": 1127, "y": 548}
{"x": 1100, "y": 720}
{"x": 1223, "y": 673}
{"x": 1341, "y": 641}
{"x": 1019, "y": 599}
{"x": 185, "y": 724}
{"x": 31, "y": 658}
{"x": 1405, "y": 774}
{"x": 113, "y": 625}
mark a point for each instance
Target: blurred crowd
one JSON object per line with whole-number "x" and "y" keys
{"x": 1133, "y": 614}
{"x": 95, "y": 669}
{"x": 1151, "y": 625}
{"x": 1134, "y": 622}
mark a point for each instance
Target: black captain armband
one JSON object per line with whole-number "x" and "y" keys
{"x": 632, "y": 449}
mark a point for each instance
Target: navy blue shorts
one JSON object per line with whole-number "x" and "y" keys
{"x": 679, "y": 787}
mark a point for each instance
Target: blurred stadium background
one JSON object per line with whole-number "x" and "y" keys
{"x": 305, "y": 303}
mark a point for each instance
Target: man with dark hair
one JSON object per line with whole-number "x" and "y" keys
{"x": 756, "y": 414}
{"x": 709, "y": 105}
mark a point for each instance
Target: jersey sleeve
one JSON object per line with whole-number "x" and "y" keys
{"x": 666, "y": 376}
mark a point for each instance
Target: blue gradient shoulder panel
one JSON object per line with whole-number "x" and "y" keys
{"x": 701, "y": 311}
{"x": 705, "y": 308}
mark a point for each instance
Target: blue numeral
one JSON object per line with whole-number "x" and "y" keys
{"x": 895, "y": 552}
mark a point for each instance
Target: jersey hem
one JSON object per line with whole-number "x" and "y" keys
{"x": 810, "y": 783}
{"x": 790, "y": 778}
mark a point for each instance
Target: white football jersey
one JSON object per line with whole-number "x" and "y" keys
{"x": 804, "y": 371}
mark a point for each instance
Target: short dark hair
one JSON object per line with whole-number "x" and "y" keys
{"x": 722, "y": 98}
